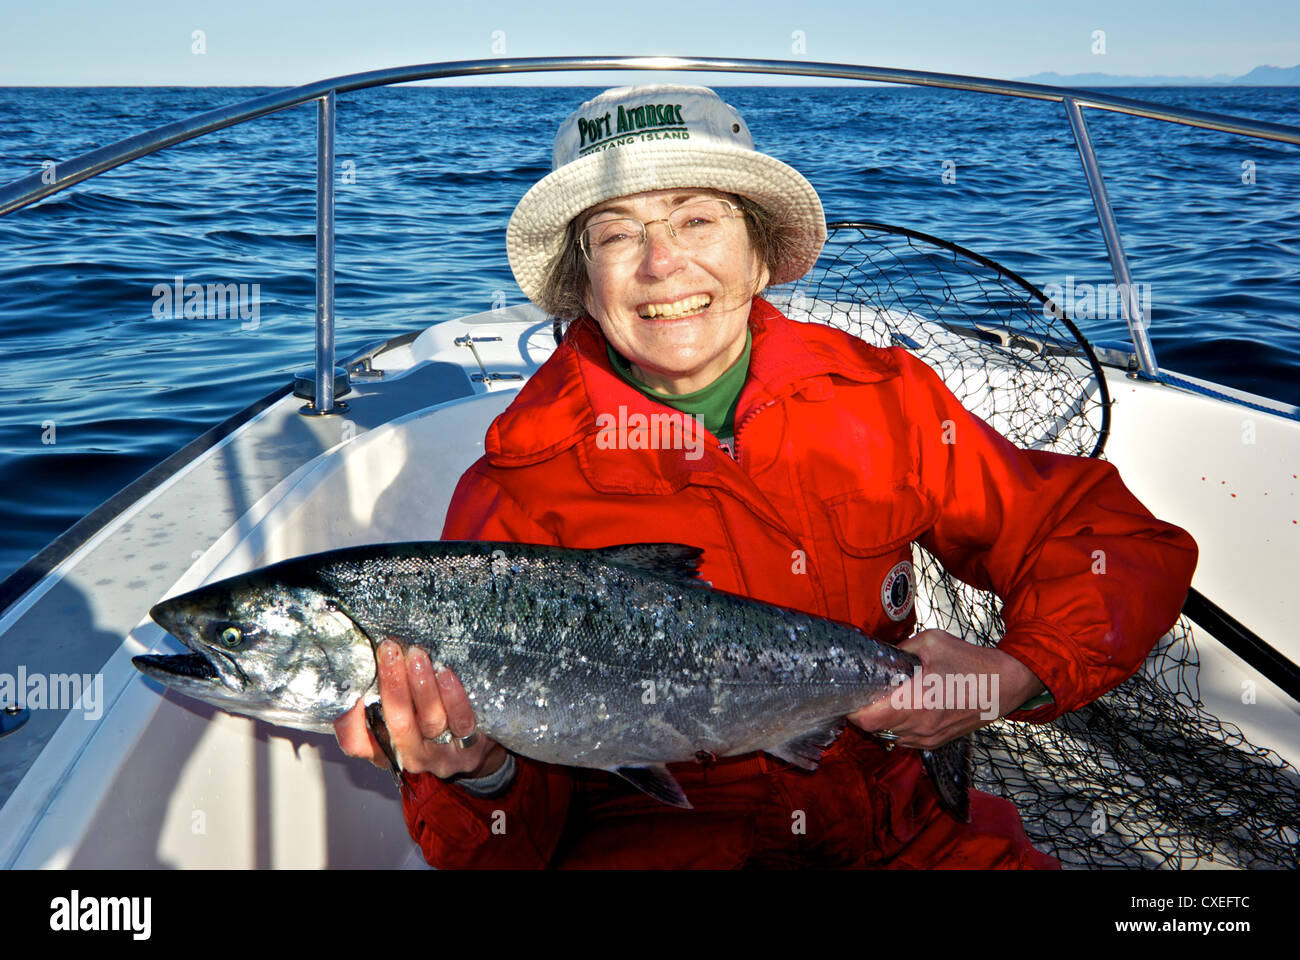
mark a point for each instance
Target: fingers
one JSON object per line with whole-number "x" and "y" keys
{"x": 395, "y": 695}
{"x": 924, "y": 644}
{"x": 350, "y": 729}
{"x": 425, "y": 694}
{"x": 460, "y": 715}
{"x": 478, "y": 757}
{"x": 888, "y": 713}
{"x": 904, "y": 719}
{"x": 419, "y": 705}
{"x": 355, "y": 738}
{"x": 870, "y": 719}
{"x": 910, "y": 712}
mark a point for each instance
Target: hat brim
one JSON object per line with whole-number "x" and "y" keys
{"x": 535, "y": 235}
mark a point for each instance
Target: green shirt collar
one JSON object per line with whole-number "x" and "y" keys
{"x": 716, "y": 402}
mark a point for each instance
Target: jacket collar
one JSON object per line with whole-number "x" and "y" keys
{"x": 560, "y": 404}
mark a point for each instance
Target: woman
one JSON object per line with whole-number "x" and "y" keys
{"x": 820, "y": 461}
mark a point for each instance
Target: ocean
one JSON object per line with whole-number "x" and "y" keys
{"x": 100, "y": 379}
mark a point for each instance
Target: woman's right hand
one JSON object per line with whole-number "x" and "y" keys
{"x": 420, "y": 705}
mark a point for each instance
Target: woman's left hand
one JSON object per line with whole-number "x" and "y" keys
{"x": 1002, "y": 684}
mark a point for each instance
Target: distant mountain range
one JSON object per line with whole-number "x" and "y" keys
{"x": 1260, "y": 76}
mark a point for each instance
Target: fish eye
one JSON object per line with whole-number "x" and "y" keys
{"x": 231, "y": 636}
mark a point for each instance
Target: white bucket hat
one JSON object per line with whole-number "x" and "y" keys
{"x": 635, "y": 139}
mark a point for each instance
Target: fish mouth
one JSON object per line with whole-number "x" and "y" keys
{"x": 203, "y": 668}
{"x": 166, "y": 667}
{"x": 192, "y": 670}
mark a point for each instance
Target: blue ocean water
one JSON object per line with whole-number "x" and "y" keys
{"x": 428, "y": 178}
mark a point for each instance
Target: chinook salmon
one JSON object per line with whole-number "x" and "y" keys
{"x": 619, "y": 658}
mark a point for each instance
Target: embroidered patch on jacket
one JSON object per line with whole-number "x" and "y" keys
{"x": 898, "y": 590}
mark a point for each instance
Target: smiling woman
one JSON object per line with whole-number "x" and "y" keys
{"x": 772, "y": 233}
{"x": 676, "y": 307}
{"x": 807, "y": 465}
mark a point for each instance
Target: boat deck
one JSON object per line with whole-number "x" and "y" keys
{"x": 132, "y": 551}
{"x": 162, "y": 780}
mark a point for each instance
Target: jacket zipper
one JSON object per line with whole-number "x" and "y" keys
{"x": 748, "y": 417}
{"x": 736, "y": 440}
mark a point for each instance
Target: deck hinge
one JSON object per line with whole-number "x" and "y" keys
{"x": 483, "y": 376}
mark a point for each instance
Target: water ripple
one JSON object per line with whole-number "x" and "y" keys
{"x": 1211, "y": 223}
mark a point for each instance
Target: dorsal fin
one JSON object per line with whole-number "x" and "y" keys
{"x": 675, "y": 561}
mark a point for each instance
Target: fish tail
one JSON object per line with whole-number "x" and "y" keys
{"x": 949, "y": 768}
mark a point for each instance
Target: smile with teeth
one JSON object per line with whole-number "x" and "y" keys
{"x": 682, "y": 308}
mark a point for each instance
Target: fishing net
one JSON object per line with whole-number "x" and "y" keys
{"x": 1145, "y": 776}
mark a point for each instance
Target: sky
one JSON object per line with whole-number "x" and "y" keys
{"x": 274, "y": 43}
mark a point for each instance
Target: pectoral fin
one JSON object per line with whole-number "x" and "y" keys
{"x": 375, "y": 721}
{"x": 656, "y": 782}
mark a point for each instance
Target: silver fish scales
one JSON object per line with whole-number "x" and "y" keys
{"x": 618, "y": 658}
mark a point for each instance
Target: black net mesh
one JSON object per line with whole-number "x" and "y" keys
{"x": 1144, "y": 776}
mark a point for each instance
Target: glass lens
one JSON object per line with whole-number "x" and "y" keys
{"x": 695, "y": 225}
{"x": 613, "y": 239}
{"x": 699, "y": 222}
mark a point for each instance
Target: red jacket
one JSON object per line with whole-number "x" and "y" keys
{"x": 847, "y": 453}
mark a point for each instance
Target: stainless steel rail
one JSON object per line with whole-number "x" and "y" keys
{"x": 323, "y": 400}
{"x": 1114, "y": 245}
{"x": 26, "y": 190}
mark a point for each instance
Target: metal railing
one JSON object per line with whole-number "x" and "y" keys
{"x": 26, "y": 190}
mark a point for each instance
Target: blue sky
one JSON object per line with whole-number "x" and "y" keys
{"x": 139, "y": 42}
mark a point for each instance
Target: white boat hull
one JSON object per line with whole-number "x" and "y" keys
{"x": 163, "y": 781}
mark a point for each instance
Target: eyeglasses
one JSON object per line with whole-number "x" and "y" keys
{"x": 695, "y": 226}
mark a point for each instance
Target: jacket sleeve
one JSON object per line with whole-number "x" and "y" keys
{"x": 1089, "y": 579}
{"x": 521, "y": 826}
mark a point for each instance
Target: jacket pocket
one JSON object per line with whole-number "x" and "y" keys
{"x": 869, "y": 524}
{"x": 874, "y": 533}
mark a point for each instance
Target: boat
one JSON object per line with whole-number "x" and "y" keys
{"x": 368, "y": 450}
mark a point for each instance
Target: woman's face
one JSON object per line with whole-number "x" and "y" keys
{"x": 676, "y": 352}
